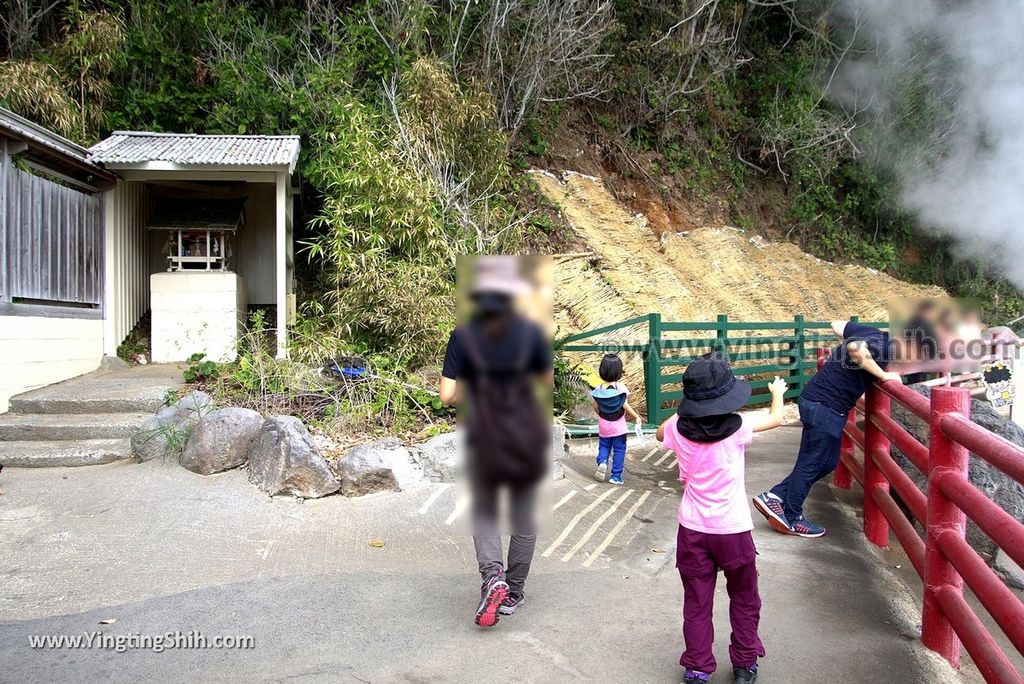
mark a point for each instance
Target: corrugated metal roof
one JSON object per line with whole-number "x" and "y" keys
{"x": 127, "y": 148}
{"x": 21, "y": 128}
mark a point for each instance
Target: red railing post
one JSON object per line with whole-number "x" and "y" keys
{"x": 876, "y": 527}
{"x": 944, "y": 454}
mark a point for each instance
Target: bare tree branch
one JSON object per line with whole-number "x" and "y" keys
{"x": 526, "y": 52}
{"x": 21, "y": 21}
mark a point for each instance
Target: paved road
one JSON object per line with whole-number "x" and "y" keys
{"x": 160, "y": 549}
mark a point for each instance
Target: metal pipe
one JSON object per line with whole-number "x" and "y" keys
{"x": 908, "y": 490}
{"x": 876, "y": 527}
{"x": 1002, "y": 453}
{"x": 911, "y": 400}
{"x": 855, "y": 468}
{"x": 855, "y": 433}
{"x": 999, "y": 525}
{"x": 916, "y": 452}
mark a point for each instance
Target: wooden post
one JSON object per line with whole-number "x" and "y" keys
{"x": 5, "y": 270}
{"x": 944, "y": 455}
{"x": 113, "y": 208}
{"x": 876, "y": 527}
{"x": 652, "y": 368}
{"x": 281, "y": 263}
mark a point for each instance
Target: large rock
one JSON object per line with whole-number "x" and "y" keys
{"x": 559, "y": 448}
{"x": 994, "y": 484}
{"x": 113, "y": 363}
{"x": 165, "y": 434}
{"x": 1012, "y": 573}
{"x": 284, "y": 460}
{"x": 583, "y": 411}
{"x": 221, "y": 441}
{"x": 438, "y": 457}
{"x": 195, "y": 404}
{"x": 383, "y": 466}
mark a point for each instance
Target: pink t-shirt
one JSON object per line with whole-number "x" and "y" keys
{"x": 613, "y": 428}
{"x": 715, "y": 498}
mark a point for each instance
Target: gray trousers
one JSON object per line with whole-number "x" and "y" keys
{"x": 487, "y": 534}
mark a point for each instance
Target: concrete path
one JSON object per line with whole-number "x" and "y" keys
{"x": 161, "y": 550}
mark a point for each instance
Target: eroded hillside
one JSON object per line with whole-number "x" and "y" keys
{"x": 624, "y": 270}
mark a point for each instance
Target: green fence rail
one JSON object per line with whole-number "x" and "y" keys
{"x": 791, "y": 352}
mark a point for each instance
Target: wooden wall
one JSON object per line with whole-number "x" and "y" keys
{"x": 51, "y": 241}
{"x": 51, "y": 280}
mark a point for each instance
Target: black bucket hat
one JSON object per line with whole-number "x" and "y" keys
{"x": 710, "y": 388}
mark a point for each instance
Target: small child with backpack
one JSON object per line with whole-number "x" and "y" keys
{"x": 709, "y": 440}
{"x": 610, "y": 402}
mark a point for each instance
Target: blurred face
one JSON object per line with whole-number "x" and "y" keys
{"x": 497, "y": 284}
{"x": 492, "y": 303}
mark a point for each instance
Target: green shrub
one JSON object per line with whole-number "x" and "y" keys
{"x": 570, "y": 388}
{"x": 200, "y": 369}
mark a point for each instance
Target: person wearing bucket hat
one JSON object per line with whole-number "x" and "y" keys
{"x": 709, "y": 440}
{"x": 493, "y": 365}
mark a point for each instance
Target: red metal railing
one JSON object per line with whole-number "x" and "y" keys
{"x": 943, "y": 558}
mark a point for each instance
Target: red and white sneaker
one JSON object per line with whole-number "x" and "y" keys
{"x": 492, "y": 595}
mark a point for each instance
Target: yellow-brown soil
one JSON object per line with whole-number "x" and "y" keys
{"x": 694, "y": 275}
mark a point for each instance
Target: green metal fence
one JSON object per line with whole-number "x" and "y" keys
{"x": 757, "y": 350}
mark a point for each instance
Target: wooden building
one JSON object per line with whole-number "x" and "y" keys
{"x": 192, "y": 228}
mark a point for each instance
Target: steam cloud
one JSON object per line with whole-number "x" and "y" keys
{"x": 940, "y": 87}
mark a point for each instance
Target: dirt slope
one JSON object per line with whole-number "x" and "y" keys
{"x": 626, "y": 270}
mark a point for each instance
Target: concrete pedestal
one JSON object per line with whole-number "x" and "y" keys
{"x": 196, "y": 312}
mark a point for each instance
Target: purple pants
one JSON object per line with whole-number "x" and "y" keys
{"x": 699, "y": 557}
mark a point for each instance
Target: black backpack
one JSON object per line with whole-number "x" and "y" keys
{"x": 508, "y": 433}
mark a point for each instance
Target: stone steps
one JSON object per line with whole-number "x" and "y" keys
{"x": 87, "y": 405}
{"x": 60, "y": 453}
{"x": 74, "y": 426}
{"x": 141, "y": 389}
{"x": 85, "y": 420}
